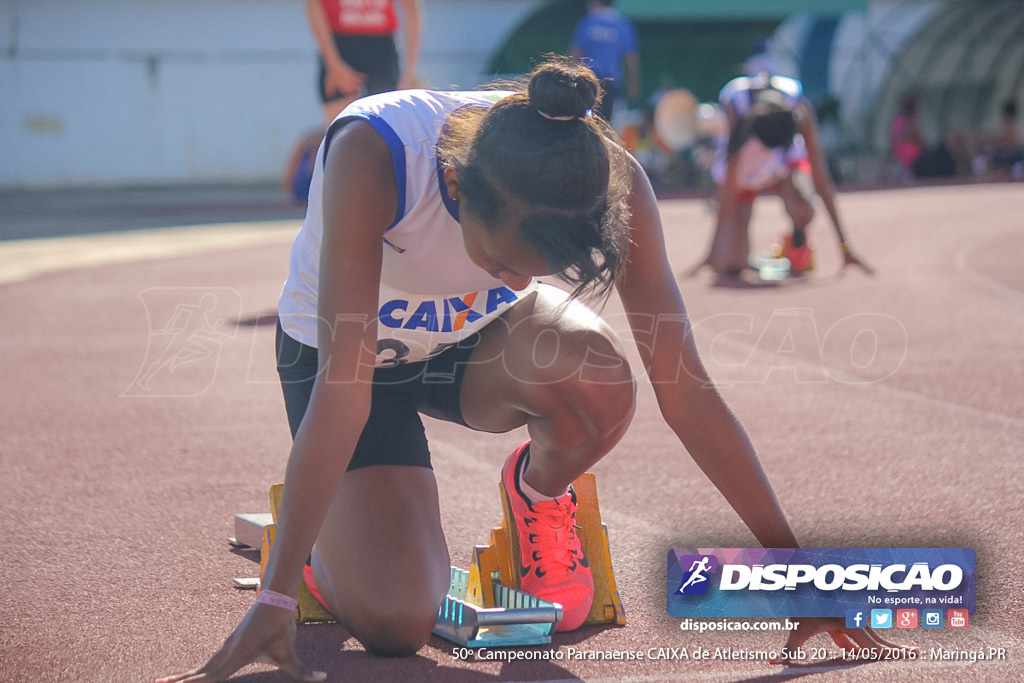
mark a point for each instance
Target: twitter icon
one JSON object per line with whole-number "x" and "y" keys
{"x": 881, "y": 618}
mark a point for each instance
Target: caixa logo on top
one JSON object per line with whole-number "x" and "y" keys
{"x": 816, "y": 582}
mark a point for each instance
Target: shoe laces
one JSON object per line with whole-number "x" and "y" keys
{"x": 552, "y": 534}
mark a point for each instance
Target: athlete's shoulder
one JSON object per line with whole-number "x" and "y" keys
{"x": 787, "y": 86}
{"x": 416, "y": 103}
{"x": 736, "y": 85}
{"x": 742, "y": 86}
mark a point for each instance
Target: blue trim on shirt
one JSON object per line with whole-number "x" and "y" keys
{"x": 395, "y": 146}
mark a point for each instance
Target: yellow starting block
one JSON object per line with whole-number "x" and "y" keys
{"x": 248, "y": 527}
{"x": 484, "y": 606}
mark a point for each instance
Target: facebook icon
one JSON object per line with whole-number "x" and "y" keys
{"x": 855, "y": 618}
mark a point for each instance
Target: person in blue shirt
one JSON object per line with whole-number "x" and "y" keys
{"x": 606, "y": 39}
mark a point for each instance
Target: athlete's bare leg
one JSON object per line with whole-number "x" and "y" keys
{"x": 730, "y": 247}
{"x": 557, "y": 368}
{"x": 796, "y": 202}
{"x": 381, "y": 561}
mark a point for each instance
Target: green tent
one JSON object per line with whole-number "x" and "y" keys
{"x": 693, "y": 44}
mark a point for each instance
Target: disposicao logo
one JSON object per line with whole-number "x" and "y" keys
{"x": 809, "y": 582}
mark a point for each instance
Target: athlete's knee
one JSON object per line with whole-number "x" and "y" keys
{"x": 393, "y": 639}
{"x": 601, "y": 393}
{"x": 608, "y": 397}
{"x": 561, "y": 354}
{"x": 398, "y": 630}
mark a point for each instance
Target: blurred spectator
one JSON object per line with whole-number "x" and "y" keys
{"x": 905, "y": 140}
{"x": 643, "y": 142}
{"x": 358, "y": 55}
{"x": 1006, "y": 147}
{"x": 915, "y": 158}
{"x": 607, "y": 39}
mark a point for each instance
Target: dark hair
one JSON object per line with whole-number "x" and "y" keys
{"x": 1010, "y": 108}
{"x": 771, "y": 120}
{"x": 541, "y": 160}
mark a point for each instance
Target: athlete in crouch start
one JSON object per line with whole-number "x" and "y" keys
{"x": 413, "y": 288}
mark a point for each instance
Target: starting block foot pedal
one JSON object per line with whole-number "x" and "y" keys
{"x": 516, "y": 619}
{"x": 772, "y": 269}
{"x": 249, "y": 529}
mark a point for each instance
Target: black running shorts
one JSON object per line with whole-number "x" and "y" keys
{"x": 375, "y": 56}
{"x": 394, "y": 433}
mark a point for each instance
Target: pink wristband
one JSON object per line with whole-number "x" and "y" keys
{"x": 276, "y": 600}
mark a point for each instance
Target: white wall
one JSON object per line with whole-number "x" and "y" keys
{"x": 113, "y": 92}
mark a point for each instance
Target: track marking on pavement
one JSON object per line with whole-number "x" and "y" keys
{"x": 962, "y": 266}
{"x": 844, "y": 378}
{"x": 22, "y": 260}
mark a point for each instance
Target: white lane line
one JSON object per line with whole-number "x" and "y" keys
{"x": 21, "y": 260}
{"x": 962, "y": 265}
{"x": 845, "y": 378}
{"x": 1006, "y": 420}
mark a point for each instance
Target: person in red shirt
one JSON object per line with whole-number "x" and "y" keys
{"x": 358, "y": 55}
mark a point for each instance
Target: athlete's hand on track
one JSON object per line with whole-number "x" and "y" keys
{"x": 266, "y": 634}
{"x": 849, "y": 639}
{"x": 851, "y": 259}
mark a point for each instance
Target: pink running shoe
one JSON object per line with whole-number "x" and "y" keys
{"x": 801, "y": 259}
{"x": 545, "y": 546}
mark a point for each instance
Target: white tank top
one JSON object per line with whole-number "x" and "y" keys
{"x": 431, "y": 294}
{"x": 757, "y": 167}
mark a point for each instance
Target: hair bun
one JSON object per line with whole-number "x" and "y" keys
{"x": 563, "y": 89}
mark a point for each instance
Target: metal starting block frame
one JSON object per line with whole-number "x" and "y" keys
{"x": 517, "y": 618}
{"x": 484, "y": 606}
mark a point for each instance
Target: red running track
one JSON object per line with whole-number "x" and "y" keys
{"x": 888, "y": 412}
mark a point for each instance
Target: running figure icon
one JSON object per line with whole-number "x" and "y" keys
{"x": 188, "y": 328}
{"x": 697, "y": 574}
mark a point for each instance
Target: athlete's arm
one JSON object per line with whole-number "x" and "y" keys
{"x": 696, "y": 412}
{"x": 820, "y": 174}
{"x": 690, "y": 404}
{"x": 412, "y": 27}
{"x": 360, "y": 201}
{"x": 728, "y": 191}
{"x": 823, "y": 184}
